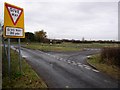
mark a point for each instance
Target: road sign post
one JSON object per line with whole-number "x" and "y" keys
{"x": 20, "y": 65}
{"x": 9, "y": 58}
{"x": 13, "y": 27}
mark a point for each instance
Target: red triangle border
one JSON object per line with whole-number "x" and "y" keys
{"x": 8, "y": 5}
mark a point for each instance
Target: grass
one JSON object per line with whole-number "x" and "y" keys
{"x": 53, "y": 47}
{"x": 110, "y": 70}
{"x": 27, "y": 79}
{"x": 65, "y": 46}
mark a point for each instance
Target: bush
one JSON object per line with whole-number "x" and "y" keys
{"x": 111, "y": 56}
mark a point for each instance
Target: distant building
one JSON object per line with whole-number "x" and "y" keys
{"x": 83, "y": 39}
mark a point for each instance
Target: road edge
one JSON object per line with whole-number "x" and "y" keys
{"x": 91, "y": 64}
{"x": 43, "y": 81}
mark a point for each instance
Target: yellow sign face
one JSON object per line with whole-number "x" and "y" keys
{"x": 13, "y": 21}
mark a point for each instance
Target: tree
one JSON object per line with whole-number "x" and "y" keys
{"x": 40, "y": 36}
{"x": 29, "y": 36}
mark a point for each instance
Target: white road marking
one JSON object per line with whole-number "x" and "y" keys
{"x": 95, "y": 70}
{"x": 61, "y": 59}
{"x": 88, "y": 68}
{"x": 85, "y": 65}
{"x": 74, "y": 63}
{"x": 24, "y": 56}
{"x": 69, "y": 62}
{"x": 80, "y": 65}
{"x": 66, "y": 86}
{"x": 88, "y": 56}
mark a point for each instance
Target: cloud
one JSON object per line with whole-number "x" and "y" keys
{"x": 72, "y": 20}
{"x": 77, "y": 20}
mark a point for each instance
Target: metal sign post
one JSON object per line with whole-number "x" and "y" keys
{"x": 5, "y": 51}
{"x": 20, "y": 66}
{"x": 9, "y": 57}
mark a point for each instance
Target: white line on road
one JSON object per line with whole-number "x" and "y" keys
{"x": 61, "y": 59}
{"x": 68, "y": 62}
{"x": 66, "y": 86}
{"x": 74, "y": 63}
{"x": 88, "y": 68}
{"x": 80, "y": 65}
{"x": 24, "y": 56}
{"x": 85, "y": 65}
{"x": 95, "y": 70}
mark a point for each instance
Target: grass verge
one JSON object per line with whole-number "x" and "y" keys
{"x": 110, "y": 70}
{"x": 25, "y": 79}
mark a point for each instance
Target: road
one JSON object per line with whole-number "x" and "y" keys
{"x": 67, "y": 69}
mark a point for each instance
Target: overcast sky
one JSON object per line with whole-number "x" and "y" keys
{"x": 70, "y": 20}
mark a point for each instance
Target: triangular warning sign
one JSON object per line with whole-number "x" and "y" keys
{"x": 14, "y": 13}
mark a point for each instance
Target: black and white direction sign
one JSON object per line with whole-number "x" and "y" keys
{"x": 11, "y": 31}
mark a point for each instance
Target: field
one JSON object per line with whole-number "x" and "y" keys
{"x": 65, "y": 46}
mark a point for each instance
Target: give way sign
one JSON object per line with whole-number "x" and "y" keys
{"x": 13, "y": 21}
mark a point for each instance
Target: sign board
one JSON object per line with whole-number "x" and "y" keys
{"x": 13, "y": 21}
